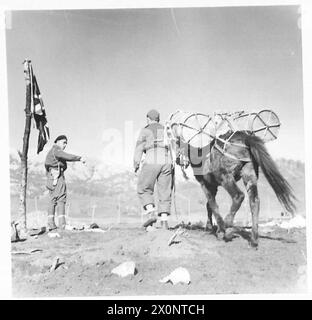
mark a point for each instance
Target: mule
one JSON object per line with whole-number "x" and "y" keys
{"x": 223, "y": 162}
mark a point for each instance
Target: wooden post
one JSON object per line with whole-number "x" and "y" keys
{"x": 24, "y": 153}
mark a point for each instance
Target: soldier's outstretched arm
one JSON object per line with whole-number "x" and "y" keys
{"x": 62, "y": 155}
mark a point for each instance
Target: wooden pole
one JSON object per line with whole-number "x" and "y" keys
{"x": 24, "y": 154}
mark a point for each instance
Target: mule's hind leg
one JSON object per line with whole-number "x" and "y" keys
{"x": 237, "y": 196}
{"x": 250, "y": 179}
{"x": 209, "y": 224}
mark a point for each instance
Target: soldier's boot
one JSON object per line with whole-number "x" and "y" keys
{"x": 164, "y": 221}
{"x": 51, "y": 222}
{"x": 149, "y": 222}
{"x": 150, "y": 211}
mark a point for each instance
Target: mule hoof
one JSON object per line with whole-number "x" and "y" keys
{"x": 254, "y": 245}
{"x": 220, "y": 235}
{"x": 229, "y": 234}
{"x": 228, "y": 222}
{"x": 209, "y": 228}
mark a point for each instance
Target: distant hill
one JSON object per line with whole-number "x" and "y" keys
{"x": 113, "y": 188}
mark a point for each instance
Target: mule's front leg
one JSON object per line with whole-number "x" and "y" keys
{"x": 212, "y": 208}
{"x": 237, "y": 196}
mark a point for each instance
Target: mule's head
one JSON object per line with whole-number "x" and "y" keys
{"x": 176, "y": 143}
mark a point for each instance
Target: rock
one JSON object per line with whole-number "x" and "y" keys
{"x": 53, "y": 235}
{"x": 179, "y": 275}
{"x": 150, "y": 229}
{"x": 125, "y": 269}
{"x": 296, "y": 222}
{"x": 69, "y": 228}
{"x": 267, "y": 230}
{"x": 268, "y": 224}
{"x": 95, "y": 230}
{"x": 18, "y": 233}
{"x": 14, "y": 232}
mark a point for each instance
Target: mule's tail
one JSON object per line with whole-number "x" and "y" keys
{"x": 281, "y": 187}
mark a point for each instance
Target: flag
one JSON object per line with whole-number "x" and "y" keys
{"x": 38, "y": 111}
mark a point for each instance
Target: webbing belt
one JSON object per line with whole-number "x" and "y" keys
{"x": 228, "y": 154}
{"x": 156, "y": 146}
{"x": 56, "y": 168}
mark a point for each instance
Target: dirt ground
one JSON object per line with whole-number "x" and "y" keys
{"x": 87, "y": 258}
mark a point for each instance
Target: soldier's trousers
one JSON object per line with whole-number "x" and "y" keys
{"x": 57, "y": 198}
{"x": 161, "y": 176}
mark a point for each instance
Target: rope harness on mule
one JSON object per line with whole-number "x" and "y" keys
{"x": 222, "y": 150}
{"x": 199, "y": 130}
{"x": 169, "y": 139}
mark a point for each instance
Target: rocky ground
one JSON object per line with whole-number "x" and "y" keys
{"x": 87, "y": 258}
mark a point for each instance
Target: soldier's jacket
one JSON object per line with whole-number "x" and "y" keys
{"x": 151, "y": 142}
{"x": 57, "y": 158}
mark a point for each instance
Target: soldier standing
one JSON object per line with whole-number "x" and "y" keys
{"x": 56, "y": 164}
{"x": 156, "y": 169}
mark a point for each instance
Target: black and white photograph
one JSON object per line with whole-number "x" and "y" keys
{"x": 156, "y": 150}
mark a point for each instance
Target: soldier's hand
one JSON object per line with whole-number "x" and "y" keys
{"x": 136, "y": 169}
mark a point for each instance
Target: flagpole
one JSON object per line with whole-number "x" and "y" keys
{"x": 24, "y": 154}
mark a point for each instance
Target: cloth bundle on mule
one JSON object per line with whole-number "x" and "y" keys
{"x": 56, "y": 164}
{"x": 157, "y": 169}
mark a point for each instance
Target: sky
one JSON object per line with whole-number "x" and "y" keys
{"x": 100, "y": 71}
